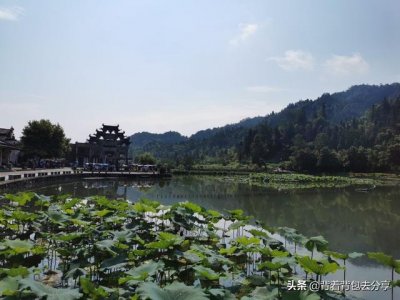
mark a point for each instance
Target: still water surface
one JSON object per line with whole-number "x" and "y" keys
{"x": 349, "y": 220}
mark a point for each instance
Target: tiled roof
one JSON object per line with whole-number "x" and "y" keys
{"x": 5, "y": 131}
{"x": 9, "y": 145}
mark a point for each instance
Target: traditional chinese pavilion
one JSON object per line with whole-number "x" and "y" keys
{"x": 107, "y": 145}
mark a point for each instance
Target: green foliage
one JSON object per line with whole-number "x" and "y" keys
{"x": 144, "y": 206}
{"x": 313, "y": 143}
{"x": 165, "y": 240}
{"x": 145, "y": 159}
{"x": 118, "y": 250}
{"x": 304, "y": 160}
{"x": 14, "y": 272}
{"x": 42, "y": 139}
{"x": 262, "y": 293}
{"x": 355, "y": 130}
{"x": 145, "y": 270}
{"x": 395, "y": 283}
{"x": 245, "y": 241}
{"x": 8, "y": 286}
{"x": 174, "y": 291}
{"x": 42, "y": 290}
{"x": 293, "y": 181}
{"x": 270, "y": 266}
{"x": 20, "y": 198}
{"x": 206, "y": 273}
{"x": 343, "y": 256}
{"x": 17, "y": 246}
{"x": 385, "y": 260}
{"x": 328, "y": 161}
{"x": 90, "y": 289}
{"x": 301, "y": 295}
{"x": 316, "y": 242}
{"x": 322, "y": 267}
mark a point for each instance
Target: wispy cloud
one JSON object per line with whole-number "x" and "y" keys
{"x": 11, "y": 13}
{"x": 263, "y": 89}
{"x": 294, "y": 60}
{"x": 346, "y": 65}
{"x": 245, "y": 32}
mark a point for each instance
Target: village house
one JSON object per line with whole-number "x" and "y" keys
{"x": 9, "y": 148}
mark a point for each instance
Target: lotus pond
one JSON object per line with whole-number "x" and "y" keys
{"x": 111, "y": 245}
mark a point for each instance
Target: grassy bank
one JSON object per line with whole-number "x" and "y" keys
{"x": 290, "y": 181}
{"x": 274, "y": 176}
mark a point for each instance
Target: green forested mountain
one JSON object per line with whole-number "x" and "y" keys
{"x": 368, "y": 143}
{"x": 174, "y": 147}
{"x": 141, "y": 139}
{"x": 340, "y": 106}
{"x": 208, "y": 133}
{"x": 311, "y": 135}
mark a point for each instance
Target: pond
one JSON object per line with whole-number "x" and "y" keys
{"x": 350, "y": 220}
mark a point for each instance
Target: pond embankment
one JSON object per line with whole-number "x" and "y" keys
{"x": 27, "y": 177}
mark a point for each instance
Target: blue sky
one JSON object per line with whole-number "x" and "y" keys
{"x": 185, "y": 65}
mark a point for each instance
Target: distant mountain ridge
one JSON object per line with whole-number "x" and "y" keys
{"x": 141, "y": 139}
{"x": 338, "y": 107}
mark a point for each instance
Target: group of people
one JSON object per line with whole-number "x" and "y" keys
{"x": 45, "y": 163}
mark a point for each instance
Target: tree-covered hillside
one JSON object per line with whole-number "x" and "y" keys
{"x": 341, "y": 106}
{"x": 368, "y": 143}
{"x": 141, "y": 139}
{"x": 312, "y": 135}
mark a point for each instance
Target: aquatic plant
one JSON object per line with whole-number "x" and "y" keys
{"x": 62, "y": 247}
{"x": 388, "y": 261}
{"x": 294, "y": 181}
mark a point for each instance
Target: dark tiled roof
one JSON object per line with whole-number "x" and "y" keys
{"x": 5, "y": 131}
{"x": 7, "y": 135}
{"x": 9, "y": 145}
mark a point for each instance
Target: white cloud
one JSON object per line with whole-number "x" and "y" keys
{"x": 346, "y": 65}
{"x": 294, "y": 60}
{"x": 263, "y": 89}
{"x": 245, "y": 31}
{"x": 10, "y": 14}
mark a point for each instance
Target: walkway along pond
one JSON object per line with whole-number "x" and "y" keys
{"x": 20, "y": 178}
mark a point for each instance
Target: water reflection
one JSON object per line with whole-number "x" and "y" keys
{"x": 349, "y": 220}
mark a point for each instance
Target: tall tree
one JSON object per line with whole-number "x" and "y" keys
{"x": 42, "y": 139}
{"x": 304, "y": 160}
{"x": 328, "y": 161}
{"x": 146, "y": 158}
